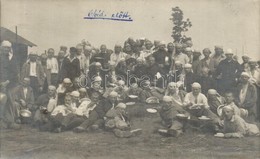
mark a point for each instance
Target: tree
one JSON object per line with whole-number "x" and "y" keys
{"x": 180, "y": 26}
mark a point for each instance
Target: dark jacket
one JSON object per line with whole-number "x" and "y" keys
{"x": 19, "y": 94}
{"x": 229, "y": 70}
{"x": 9, "y": 68}
{"x": 103, "y": 107}
{"x": 70, "y": 69}
{"x": 39, "y": 72}
{"x": 206, "y": 84}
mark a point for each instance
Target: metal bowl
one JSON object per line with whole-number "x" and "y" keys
{"x": 25, "y": 113}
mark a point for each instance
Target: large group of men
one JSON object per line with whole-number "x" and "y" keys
{"x": 86, "y": 88}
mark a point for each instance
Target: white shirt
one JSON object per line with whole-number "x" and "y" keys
{"x": 60, "y": 109}
{"x": 10, "y": 55}
{"x": 117, "y": 57}
{"x": 84, "y": 108}
{"x": 61, "y": 89}
{"x": 255, "y": 77}
{"x": 183, "y": 58}
{"x": 201, "y": 99}
{"x": 145, "y": 53}
{"x": 33, "y": 69}
{"x": 242, "y": 94}
{"x": 85, "y": 63}
{"x": 52, "y": 65}
{"x": 52, "y": 104}
{"x": 25, "y": 90}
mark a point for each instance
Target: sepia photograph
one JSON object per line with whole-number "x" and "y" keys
{"x": 129, "y": 79}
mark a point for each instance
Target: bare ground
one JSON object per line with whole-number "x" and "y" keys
{"x": 29, "y": 143}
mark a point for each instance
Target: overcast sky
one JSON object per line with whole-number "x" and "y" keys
{"x": 51, "y": 23}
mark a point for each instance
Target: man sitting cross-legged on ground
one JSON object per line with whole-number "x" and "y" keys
{"x": 44, "y": 105}
{"x": 196, "y": 104}
{"x": 117, "y": 120}
{"x": 68, "y": 116}
{"x": 96, "y": 117}
{"x": 168, "y": 113}
{"x": 23, "y": 98}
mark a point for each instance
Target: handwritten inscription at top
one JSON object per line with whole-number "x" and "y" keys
{"x": 100, "y": 14}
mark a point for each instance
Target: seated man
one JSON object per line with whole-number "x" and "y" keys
{"x": 149, "y": 91}
{"x": 197, "y": 105}
{"x": 117, "y": 120}
{"x": 96, "y": 86}
{"x": 168, "y": 114}
{"x": 55, "y": 122}
{"x": 121, "y": 89}
{"x": 176, "y": 94}
{"x": 83, "y": 95}
{"x": 134, "y": 90}
{"x": 23, "y": 98}
{"x": 229, "y": 101}
{"x": 214, "y": 100}
{"x": 65, "y": 87}
{"x": 246, "y": 96}
{"x": 96, "y": 117}
{"x": 235, "y": 126}
{"x": 3, "y": 104}
{"x": 44, "y": 105}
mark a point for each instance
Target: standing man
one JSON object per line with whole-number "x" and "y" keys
{"x": 52, "y": 68}
{"x": 179, "y": 56}
{"x": 60, "y": 58}
{"x": 9, "y": 65}
{"x": 227, "y": 73}
{"x": 216, "y": 58}
{"x": 206, "y": 60}
{"x": 162, "y": 57}
{"x": 71, "y": 65}
{"x": 34, "y": 71}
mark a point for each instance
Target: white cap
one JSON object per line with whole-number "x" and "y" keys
{"x": 51, "y": 87}
{"x": 6, "y": 43}
{"x": 97, "y": 79}
{"x": 196, "y": 85}
{"x": 75, "y": 93}
{"x": 246, "y": 55}
{"x": 187, "y": 65}
{"x": 66, "y": 80}
{"x": 167, "y": 99}
{"x": 212, "y": 92}
{"x": 178, "y": 62}
{"x": 147, "y": 82}
{"x": 188, "y": 49}
{"x": 113, "y": 94}
{"x": 82, "y": 90}
{"x": 121, "y": 105}
{"x": 229, "y": 51}
{"x": 98, "y": 64}
{"x": 162, "y": 43}
{"x": 88, "y": 48}
{"x": 172, "y": 84}
{"x": 121, "y": 82}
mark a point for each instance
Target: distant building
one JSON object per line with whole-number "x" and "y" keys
{"x": 19, "y": 44}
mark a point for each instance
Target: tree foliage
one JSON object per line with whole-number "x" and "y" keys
{"x": 180, "y": 26}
